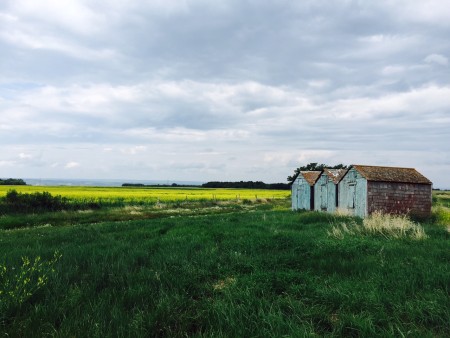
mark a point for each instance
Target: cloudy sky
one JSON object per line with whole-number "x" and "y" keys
{"x": 205, "y": 90}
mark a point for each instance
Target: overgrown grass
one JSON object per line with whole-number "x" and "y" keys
{"x": 259, "y": 274}
{"x": 386, "y": 225}
{"x": 441, "y": 208}
{"x": 441, "y": 198}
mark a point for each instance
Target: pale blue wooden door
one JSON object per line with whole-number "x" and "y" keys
{"x": 303, "y": 197}
{"x": 323, "y": 196}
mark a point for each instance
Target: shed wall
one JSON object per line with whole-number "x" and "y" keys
{"x": 353, "y": 194}
{"x": 320, "y": 194}
{"x": 301, "y": 194}
{"x": 325, "y": 194}
{"x": 331, "y": 200}
{"x": 399, "y": 198}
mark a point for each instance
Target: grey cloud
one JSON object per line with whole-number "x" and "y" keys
{"x": 267, "y": 83}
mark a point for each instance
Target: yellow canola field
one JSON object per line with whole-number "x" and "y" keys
{"x": 149, "y": 194}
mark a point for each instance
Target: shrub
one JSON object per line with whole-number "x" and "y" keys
{"x": 389, "y": 226}
{"x": 18, "y": 285}
{"x": 36, "y": 202}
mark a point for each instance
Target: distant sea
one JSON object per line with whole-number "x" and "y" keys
{"x": 99, "y": 182}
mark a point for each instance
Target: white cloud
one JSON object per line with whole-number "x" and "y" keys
{"x": 7, "y": 163}
{"x": 52, "y": 43}
{"x": 159, "y": 103}
{"x": 432, "y": 12}
{"x": 437, "y": 59}
{"x": 414, "y": 103}
{"x": 392, "y": 70}
{"x": 319, "y": 83}
{"x": 71, "y": 165}
{"x": 25, "y": 156}
{"x": 374, "y": 47}
{"x": 8, "y": 18}
{"x": 72, "y": 15}
{"x": 134, "y": 150}
{"x": 293, "y": 159}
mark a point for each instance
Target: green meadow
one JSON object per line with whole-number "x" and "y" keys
{"x": 220, "y": 268}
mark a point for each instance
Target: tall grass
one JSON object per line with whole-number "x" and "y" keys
{"x": 255, "y": 274}
{"x": 378, "y": 223}
{"x": 441, "y": 198}
{"x": 441, "y": 208}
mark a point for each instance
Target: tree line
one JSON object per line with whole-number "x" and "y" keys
{"x": 247, "y": 185}
{"x": 173, "y": 185}
{"x": 216, "y": 184}
{"x": 12, "y": 181}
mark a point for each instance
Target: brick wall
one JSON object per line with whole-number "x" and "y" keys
{"x": 399, "y": 198}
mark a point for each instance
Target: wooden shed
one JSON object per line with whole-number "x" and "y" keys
{"x": 303, "y": 190}
{"x": 365, "y": 189}
{"x": 326, "y": 190}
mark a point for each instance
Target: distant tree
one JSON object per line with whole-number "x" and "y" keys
{"x": 12, "y": 181}
{"x": 313, "y": 166}
{"x": 173, "y": 185}
{"x": 246, "y": 185}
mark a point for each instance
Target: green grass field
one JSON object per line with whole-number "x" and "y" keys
{"x": 93, "y": 204}
{"x": 442, "y": 198}
{"x": 223, "y": 269}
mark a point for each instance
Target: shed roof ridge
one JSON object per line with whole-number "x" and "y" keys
{"x": 335, "y": 173}
{"x": 390, "y": 174}
{"x": 380, "y": 166}
{"x": 311, "y": 176}
{"x": 303, "y": 171}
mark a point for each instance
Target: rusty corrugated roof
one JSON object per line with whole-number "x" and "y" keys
{"x": 391, "y": 174}
{"x": 335, "y": 174}
{"x": 311, "y": 176}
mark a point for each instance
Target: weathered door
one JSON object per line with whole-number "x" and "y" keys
{"x": 303, "y": 197}
{"x": 323, "y": 196}
{"x": 351, "y": 197}
{"x": 331, "y": 196}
